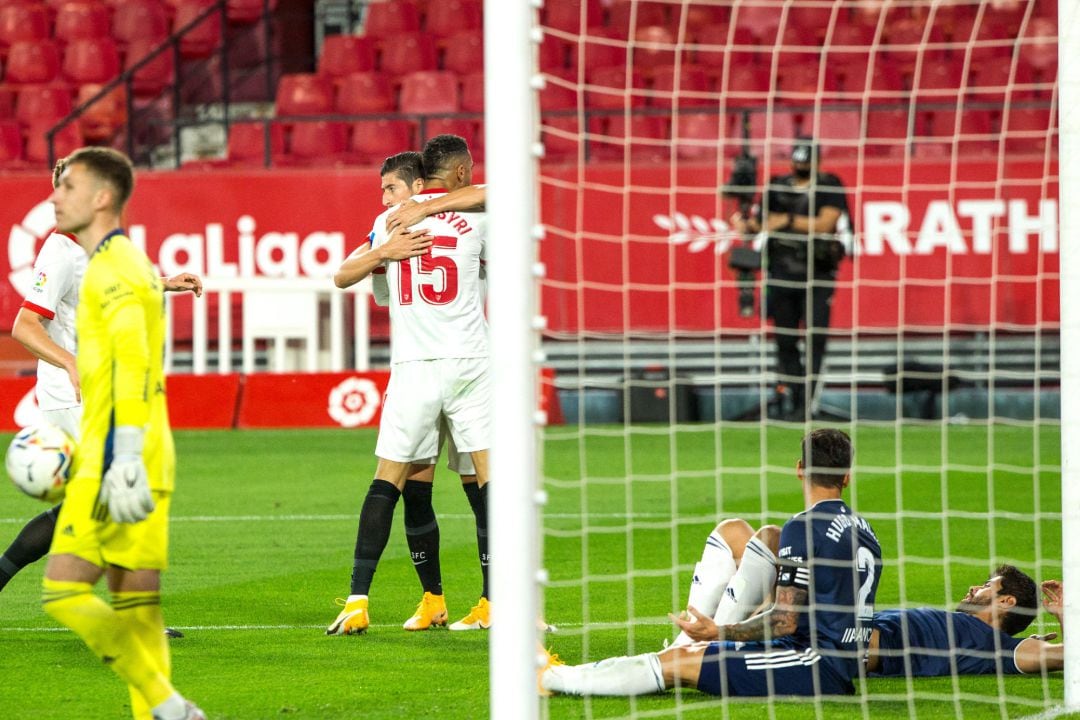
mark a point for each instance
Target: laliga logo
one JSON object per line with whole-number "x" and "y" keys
{"x": 696, "y": 232}
{"x": 353, "y": 402}
{"x": 24, "y": 241}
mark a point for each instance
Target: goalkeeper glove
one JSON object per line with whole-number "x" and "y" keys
{"x": 125, "y": 488}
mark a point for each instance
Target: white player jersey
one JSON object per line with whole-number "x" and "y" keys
{"x": 436, "y": 302}
{"x": 58, "y": 272}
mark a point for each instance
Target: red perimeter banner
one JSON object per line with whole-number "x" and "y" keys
{"x": 643, "y": 249}
{"x": 266, "y": 400}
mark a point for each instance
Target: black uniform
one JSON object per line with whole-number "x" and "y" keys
{"x": 801, "y": 279}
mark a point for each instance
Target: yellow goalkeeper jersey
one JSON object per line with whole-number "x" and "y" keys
{"x": 120, "y": 331}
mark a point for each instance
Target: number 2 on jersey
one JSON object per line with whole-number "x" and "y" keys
{"x": 430, "y": 264}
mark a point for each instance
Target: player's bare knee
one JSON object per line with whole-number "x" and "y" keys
{"x": 736, "y": 532}
{"x": 770, "y": 535}
{"x": 681, "y": 664}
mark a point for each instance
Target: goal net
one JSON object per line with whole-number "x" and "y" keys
{"x": 684, "y": 369}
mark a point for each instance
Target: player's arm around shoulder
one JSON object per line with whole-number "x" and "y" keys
{"x": 400, "y": 244}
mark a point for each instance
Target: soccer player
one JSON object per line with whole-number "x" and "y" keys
{"x": 114, "y": 519}
{"x": 439, "y": 365}
{"x": 401, "y": 177}
{"x": 810, "y": 641}
{"x": 736, "y": 574}
{"x": 45, "y": 325}
{"x": 471, "y": 198}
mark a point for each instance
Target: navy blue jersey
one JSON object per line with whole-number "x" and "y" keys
{"x": 931, "y": 641}
{"x": 834, "y": 555}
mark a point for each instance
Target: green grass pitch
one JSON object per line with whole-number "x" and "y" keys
{"x": 264, "y": 525}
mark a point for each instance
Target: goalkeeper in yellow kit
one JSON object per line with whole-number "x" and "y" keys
{"x": 115, "y": 516}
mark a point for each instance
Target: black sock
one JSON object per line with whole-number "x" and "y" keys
{"x": 30, "y": 545}
{"x": 422, "y": 532}
{"x": 478, "y": 501}
{"x": 376, "y": 517}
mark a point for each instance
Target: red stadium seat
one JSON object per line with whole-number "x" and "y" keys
{"x": 839, "y": 132}
{"x": 601, "y": 48}
{"x": 697, "y": 136}
{"x": 33, "y": 61}
{"x": 464, "y": 52}
{"x": 104, "y": 117}
{"x": 472, "y": 92}
{"x": 153, "y": 77}
{"x": 995, "y": 82}
{"x": 556, "y": 95}
{"x": 375, "y": 140}
{"x": 364, "y": 92}
{"x": 608, "y": 88}
{"x": 205, "y": 35}
{"x": 717, "y": 46}
{"x": 569, "y": 15}
{"x": 886, "y": 83}
{"x": 430, "y": 91}
{"x": 448, "y": 17}
{"x": 1039, "y": 44}
{"x": 938, "y": 81}
{"x": 345, "y": 54}
{"x": 690, "y": 88}
{"x": 887, "y": 132}
{"x": 247, "y": 11}
{"x": 705, "y": 13}
{"x": 42, "y": 104}
{"x": 761, "y": 20}
{"x": 626, "y": 17}
{"x": 93, "y": 60}
{"x": 561, "y": 137}
{"x": 408, "y": 53}
{"x": 653, "y": 45}
{"x": 81, "y": 20}
{"x": 66, "y": 141}
{"x": 430, "y": 127}
{"x": 939, "y": 132}
{"x": 554, "y": 53}
{"x": 7, "y": 102}
{"x": 643, "y": 137}
{"x": 745, "y": 84}
{"x": 388, "y": 18}
{"x": 11, "y": 144}
{"x": 319, "y": 142}
{"x": 304, "y": 94}
{"x": 801, "y": 79}
{"x": 247, "y": 142}
{"x": 140, "y": 20}
{"x": 773, "y": 132}
{"x": 811, "y": 22}
{"x": 1027, "y": 130}
{"x": 20, "y": 22}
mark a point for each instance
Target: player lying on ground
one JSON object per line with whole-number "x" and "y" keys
{"x": 830, "y": 566}
{"x": 734, "y": 575}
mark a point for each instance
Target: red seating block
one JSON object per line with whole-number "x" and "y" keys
{"x": 153, "y": 77}
{"x": 568, "y": 15}
{"x": 1027, "y": 130}
{"x": 20, "y": 22}
{"x": 887, "y": 131}
{"x": 612, "y": 88}
{"x": 447, "y": 17}
{"x": 42, "y": 104}
{"x": 625, "y": 17}
{"x": 204, "y": 36}
{"x": 140, "y": 20}
{"x": 319, "y": 142}
{"x": 247, "y": 142}
{"x": 472, "y": 92}
{"x": 464, "y": 52}
{"x": 430, "y": 91}
{"x": 66, "y": 141}
{"x": 690, "y": 87}
{"x": 345, "y": 54}
{"x": 81, "y": 20}
{"x": 33, "y": 61}
{"x": 364, "y": 92}
{"x": 100, "y": 121}
{"x": 376, "y": 140}
{"x": 387, "y": 18}
{"x": 247, "y": 11}
{"x": 91, "y": 60}
{"x": 408, "y": 53}
{"x": 304, "y": 94}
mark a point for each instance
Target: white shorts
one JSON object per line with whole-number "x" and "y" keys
{"x": 458, "y": 462}
{"x": 419, "y": 392}
{"x": 67, "y": 419}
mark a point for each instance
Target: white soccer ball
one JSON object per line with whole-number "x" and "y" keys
{"x": 39, "y": 461}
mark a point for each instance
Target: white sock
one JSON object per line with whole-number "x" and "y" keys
{"x": 172, "y": 708}
{"x": 637, "y": 675}
{"x": 711, "y": 576}
{"x": 354, "y": 598}
{"x": 753, "y": 582}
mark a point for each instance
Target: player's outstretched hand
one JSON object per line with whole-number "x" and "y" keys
{"x": 1053, "y": 597}
{"x": 182, "y": 282}
{"x": 126, "y": 490}
{"x": 406, "y": 215}
{"x": 402, "y": 244}
{"x": 696, "y": 624}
